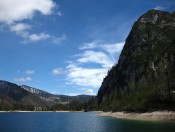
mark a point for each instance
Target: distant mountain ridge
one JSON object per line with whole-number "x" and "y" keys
{"x": 13, "y": 96}
{"x": 24, "y": 97}
{"x": 56, "y": 98}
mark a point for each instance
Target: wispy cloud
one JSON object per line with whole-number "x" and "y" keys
{"x": 98, "y": 57}
{"x": 90, "y": 45}
{"x": 59, "y": 13}
{"x": 101, "y": 55}
{"x": 89, "y": 77}
{"x": 89, "y": 92}
{"x": 159, "y": 8}
{"x": 29, "y": 72}
{"x": 36, "y": 37}
{"x": 110, "y": 48}
{"x": 57, "y": 71}
{"x": 19, "y": 27}
{"x": 58, "y": 40}
{"x": 25, "y": 79}
{"x": 22, "y": 30}
{"x": 106, "y": 29}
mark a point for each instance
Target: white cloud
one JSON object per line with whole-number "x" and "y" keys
{"x": 159, "y": 8}
{"x": 89, "y": 92}
{"x": 96, "y": 57}
{"x": 85, "y": 76}
{"x": 19, "y": 27}
{"x": 58, "y": 40}
{"x": 111, "y": 48}
{"x": 57, "y": 71}
{"x": 36, "y": 37}
{"x": 17, "y": 10}
{"x": 12, "y": 13}
{"x": 29, "y": 72}
{"x": 27, "y": 79}
{"x": 93, "y": 53}
{"x": 91, "y": 45}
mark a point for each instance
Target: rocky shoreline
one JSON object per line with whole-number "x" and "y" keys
{"x": 151, "y": 116}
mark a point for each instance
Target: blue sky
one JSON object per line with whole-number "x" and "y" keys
{"x": 66, "y": 46}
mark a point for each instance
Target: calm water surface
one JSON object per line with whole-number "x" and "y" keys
{"x": 76, "y": 122}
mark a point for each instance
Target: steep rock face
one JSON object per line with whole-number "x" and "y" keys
{"x": 42, "y": 94}
{"x": 144, "y": 78}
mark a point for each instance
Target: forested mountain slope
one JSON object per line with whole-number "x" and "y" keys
{"x": 144, "y": 77}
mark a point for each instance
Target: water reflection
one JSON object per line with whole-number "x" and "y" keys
{"x": 76, "y": 122}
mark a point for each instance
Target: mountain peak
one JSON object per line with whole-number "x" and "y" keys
{"x": 160, "y": 18}
{"x": 144, "y": 77}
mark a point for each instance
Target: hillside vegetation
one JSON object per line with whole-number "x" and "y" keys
{"x": 144, "y": 77}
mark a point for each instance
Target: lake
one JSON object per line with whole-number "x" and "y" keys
{"x": 76, "y": 122}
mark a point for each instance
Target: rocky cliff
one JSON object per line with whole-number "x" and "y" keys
{"x": 51, "y": 98}
{"x": 144, "y": 78}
